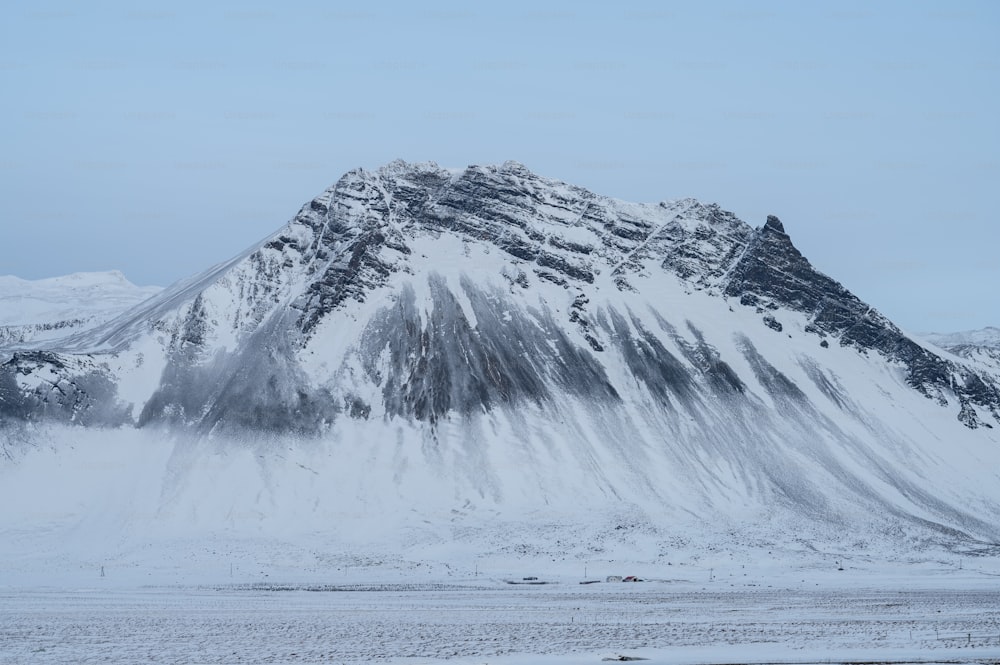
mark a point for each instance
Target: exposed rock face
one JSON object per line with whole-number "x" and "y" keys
{"x": 773, "y": 274}
{"x": 65, "y": 389}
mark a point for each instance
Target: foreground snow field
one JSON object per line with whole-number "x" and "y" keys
{"x": 489, "y": 621}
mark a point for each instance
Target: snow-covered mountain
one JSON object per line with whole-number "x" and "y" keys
{"x": 982, "y": 346}
{"x": 450, "y": 351}
{"x": 37, "y": 312}
{"x": 987, "y": 337}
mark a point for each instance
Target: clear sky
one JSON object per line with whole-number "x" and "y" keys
{"x": 161, "y": 138}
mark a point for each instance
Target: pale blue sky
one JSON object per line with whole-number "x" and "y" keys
{"x": 160, "y": 138}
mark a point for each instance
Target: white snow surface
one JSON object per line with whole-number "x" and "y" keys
{"x": 981, "y": 347}
{"x": 988, "y": 336}
{"x": 43, "y": 310}
{"x": 479, "y": 619}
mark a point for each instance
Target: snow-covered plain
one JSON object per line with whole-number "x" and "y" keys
{"x": 485, "y": 620}
{"x": 145, "y": 548}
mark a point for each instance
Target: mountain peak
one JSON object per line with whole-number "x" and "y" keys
{"x": 774, "y": 224}
{"x": 515, "y": 167}
{"x": 402, "y": 167}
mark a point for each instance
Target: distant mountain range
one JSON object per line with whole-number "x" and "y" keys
{"x": 982, "y": 346}
{"x": 37, "y": 312}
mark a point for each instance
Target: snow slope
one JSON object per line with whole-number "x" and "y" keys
{"x": 425, "y": 365}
